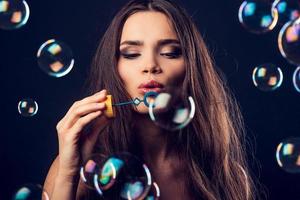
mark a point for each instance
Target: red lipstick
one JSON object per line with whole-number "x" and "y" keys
{"x": 151, "y": 85}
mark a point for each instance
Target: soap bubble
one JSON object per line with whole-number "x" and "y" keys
{"x": 171, "y": 111}
{"x": 55, "y": 58}
{"x": 289, "y": 41}
{"x": 27, "y": 107}
{"x": 31, "y": 192}
{"x": 13, "y": 14}
{"x": 119, "y": 175}
{"x": 267, "y": 77}
{"x": 296, "y": 79}
{"x": 288, "y": 155}
{"x": 257, "y": 16}
{"x": 287, "y": 10}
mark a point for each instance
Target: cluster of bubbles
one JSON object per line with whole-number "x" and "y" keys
{"x": 121, "y": 176}
{"x": 260, "y": 17}
{"x": 54, "y": 57}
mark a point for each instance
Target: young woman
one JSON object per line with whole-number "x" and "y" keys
{"x": 155, "y": 42}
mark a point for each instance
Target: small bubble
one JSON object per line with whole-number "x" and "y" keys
{"x": 288, "y": 155}
{"x": 27, "y": 107}
{"x": 267, "y": 77}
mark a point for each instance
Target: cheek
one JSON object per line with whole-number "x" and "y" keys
{"x": 126, "y": 75}
{"x": 176, "y": 74}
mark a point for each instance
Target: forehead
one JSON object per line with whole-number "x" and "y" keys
{"x": 148, "y": 25}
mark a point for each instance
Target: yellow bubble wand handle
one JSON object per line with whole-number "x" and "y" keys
{"x": 109, "y": 112}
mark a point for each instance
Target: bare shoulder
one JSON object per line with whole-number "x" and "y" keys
{"x": 50, "y": 181}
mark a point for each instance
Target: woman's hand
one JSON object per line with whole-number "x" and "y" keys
{"x": 74, "y": 143}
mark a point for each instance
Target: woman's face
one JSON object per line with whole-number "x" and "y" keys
{"x": 150, "y": 55}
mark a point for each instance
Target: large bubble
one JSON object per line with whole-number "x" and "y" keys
{"x": 289, "y": 41}
{"x": 257, "y": 16}
{"x": 13, "y": 14}
{"x": 267, "y": 77}
{"x": 55, "y": 58}
{"x": 119, "y": 176}
{"x": 171, "y": 110}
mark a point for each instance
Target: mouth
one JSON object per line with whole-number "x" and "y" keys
{"x": 150, "y": 86}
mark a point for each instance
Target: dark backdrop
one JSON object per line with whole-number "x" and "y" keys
{"x": 29, "y": 145}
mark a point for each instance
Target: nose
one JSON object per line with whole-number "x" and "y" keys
{"x": 151, "y": 66}
{"x": 153, "y": 69}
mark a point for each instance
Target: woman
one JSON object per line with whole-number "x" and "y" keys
{"x": 155, "y": 42}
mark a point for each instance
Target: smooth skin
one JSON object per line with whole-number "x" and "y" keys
{"x": 147, "y": 59}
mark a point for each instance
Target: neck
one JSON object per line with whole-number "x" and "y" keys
{"x": 151, "y": 139}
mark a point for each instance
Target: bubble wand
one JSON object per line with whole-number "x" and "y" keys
{"x": 109, "y": 112}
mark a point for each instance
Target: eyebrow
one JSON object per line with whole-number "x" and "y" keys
{"x": 140, "y": 43}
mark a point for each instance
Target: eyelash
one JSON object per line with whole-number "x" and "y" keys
{"x": 172, "y": 55}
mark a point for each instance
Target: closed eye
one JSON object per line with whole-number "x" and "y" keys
{"x": 130, "y": 55}
{"x": 172, "y": 55}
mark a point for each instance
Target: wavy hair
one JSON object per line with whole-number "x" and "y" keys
{"x": 213, "y": 144}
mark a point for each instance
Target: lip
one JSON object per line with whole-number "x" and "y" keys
{"x": 150, "y": 86}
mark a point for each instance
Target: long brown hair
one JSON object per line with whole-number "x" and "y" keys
{"x": 212, "y": 145}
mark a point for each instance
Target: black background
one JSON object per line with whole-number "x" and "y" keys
{"x": 29, "y": 145}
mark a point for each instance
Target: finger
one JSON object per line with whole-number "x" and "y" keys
{"x": 83, "y": 121}
{"x": 97, "y": 97}
{"x": 82, "y": 111}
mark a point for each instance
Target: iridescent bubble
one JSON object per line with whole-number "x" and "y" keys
{"x": 296, "y": 79}
{"x": 119, "y": 175}
{"x": 288, "y": 155}
{"x": 257, "y": 16}
{"x": 55, "y": 58}
{"x": 287, "y": 10}
{"x": 27, "y": 107}
{"x": 171, "y": 111}
{"x": 13, "y": 14}
{"x": 289, "y": 41}
{"x": 267, "y": 77}
{"x": 31, "y": 192}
